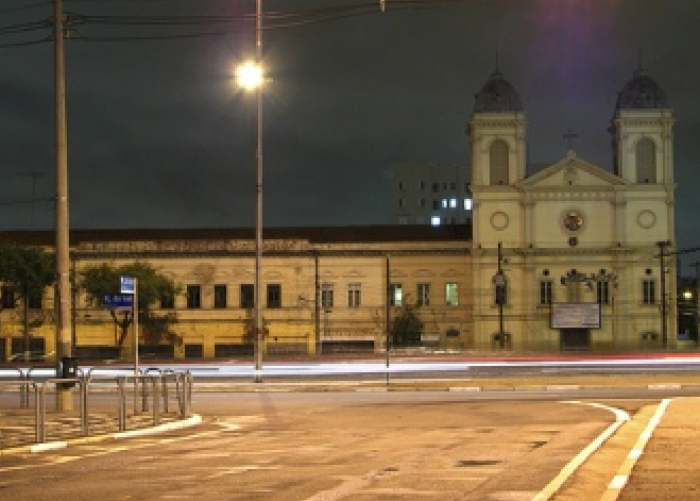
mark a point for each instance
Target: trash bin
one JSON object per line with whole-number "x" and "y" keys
{"x": 68, "y": 370}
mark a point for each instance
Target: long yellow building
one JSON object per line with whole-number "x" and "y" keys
{"x": 323, "y": 289}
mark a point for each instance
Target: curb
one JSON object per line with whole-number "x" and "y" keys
{"x": 193, "y": 420}
{"x": 376, "y": 386}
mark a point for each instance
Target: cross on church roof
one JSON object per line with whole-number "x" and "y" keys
{"x": 569, "y": 135}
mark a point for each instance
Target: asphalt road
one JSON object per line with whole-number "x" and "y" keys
{"x": 357, "y": 446}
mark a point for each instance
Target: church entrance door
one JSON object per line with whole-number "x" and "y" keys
{"x": 575, "y": 339}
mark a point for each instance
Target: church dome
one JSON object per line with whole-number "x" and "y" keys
{"x": 642, "y": 92}
{"x": 497, "y": 95}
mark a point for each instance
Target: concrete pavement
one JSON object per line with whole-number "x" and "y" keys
{"x": 659, "y": 467}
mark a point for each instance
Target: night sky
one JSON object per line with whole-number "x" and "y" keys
{"x": 159, "y": 135}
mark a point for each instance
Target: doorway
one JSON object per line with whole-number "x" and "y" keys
{"x": 575, "y": 339}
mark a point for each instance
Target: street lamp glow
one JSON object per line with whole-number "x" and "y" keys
{"x": 249, "y": 76}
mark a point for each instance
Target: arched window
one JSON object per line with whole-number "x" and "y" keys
{"x": 646, "y": 161}
{"x": 499, "y": 162}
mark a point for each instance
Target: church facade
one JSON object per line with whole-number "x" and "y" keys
{"x": 574, "y": 256}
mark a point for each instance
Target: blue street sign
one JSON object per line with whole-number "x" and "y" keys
{"x": 119, "y": 301}
{"x": 126, "y": 285}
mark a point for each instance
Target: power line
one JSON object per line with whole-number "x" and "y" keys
{"x": 229, "y": 24}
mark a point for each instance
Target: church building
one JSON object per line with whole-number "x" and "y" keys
{"x": 573, "y": 256}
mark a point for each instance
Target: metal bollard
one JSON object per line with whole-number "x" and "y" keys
{"x": 121, "y": 385}
{"x": 156, "y": 400}
{"x": 84, "y": 414}
{"x": 39, "y": 413}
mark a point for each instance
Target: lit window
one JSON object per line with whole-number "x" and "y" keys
{"x": 452, "y": 294}
{"x": 395, "y": 295}
{"x": 453, "y": 203}
{"x": 468, "y": 204}
{"x": 444, "y": 203}
{"x": 435, "y": 221}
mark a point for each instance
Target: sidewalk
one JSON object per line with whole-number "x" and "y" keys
{"x": 18, "y": 433}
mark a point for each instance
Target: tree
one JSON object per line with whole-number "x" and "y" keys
{"x": 101, "y": 280}
{"x": 24, "y": 272}
{"x": 406, "y": 327}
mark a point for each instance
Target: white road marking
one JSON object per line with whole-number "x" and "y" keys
{"x": 552, "y": 487}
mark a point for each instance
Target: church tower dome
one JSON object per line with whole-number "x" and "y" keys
{"x": 641, "y": 92}
{"x": 497, "y": 95}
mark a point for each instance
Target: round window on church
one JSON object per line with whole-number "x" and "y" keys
{"x": 572, "y": 220}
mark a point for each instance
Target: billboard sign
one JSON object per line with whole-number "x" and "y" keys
{"x": 575, "y": 316}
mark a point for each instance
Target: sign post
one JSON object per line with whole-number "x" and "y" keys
{"x": 129, "y": 285}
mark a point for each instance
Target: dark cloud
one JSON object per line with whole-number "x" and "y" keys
{"x": 160, "y": 136}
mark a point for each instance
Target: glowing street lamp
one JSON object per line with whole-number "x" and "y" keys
{"x": 250, "y": 77}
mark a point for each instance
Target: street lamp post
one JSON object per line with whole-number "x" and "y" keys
{"x": 250, "y": 77}
{"x": 501, "y": 284}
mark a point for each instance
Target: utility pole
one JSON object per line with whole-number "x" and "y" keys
{"x": 317, "y": 304}
{"x": 63, "y": 289}
{"x": 662, "y": 267}
{"x": 387, "y": 312}
{"x": 696, "y": 264}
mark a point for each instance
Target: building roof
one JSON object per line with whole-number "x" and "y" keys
{"x": 641, "y": 92}
{"x": 314, "y": 234}
{"x": 497, "y": 95}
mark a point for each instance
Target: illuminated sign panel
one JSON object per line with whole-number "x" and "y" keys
{"x": 575, "y": 316}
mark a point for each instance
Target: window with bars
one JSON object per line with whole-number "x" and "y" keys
{"x": 274, "y": 296}
{"x": 546, "y": 292}
{"x": 649, "y": 291}
{"x": 354, "y": 295}
{"x": 220, "y": 296}
{"x": 327, "y": 298}
{"x": 423, "y": 295}
{"x": 247, "y": 296}
{"x": 194, "y": 296}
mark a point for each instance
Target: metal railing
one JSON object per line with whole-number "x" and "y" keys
{"x": 154, "y": 394}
